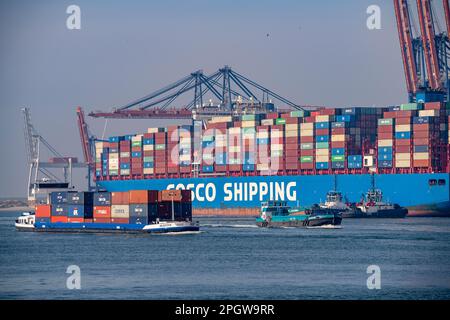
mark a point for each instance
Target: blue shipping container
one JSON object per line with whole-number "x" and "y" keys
{"x": 354, "y": 165}
{"x": 403, "y": 135}
{"x": 148, "y": 141}
{"x": 208, "y": 169}
{"x": 344, "y": 118}
{"x": 354, "y": 158}
{"x": 322, "y": 138}
{"x": 124, "y": 166}
{"x": 420, "y": 120}
{"x": 383, "y": 150}
{"x": 58, "y": 197}
{"x": 338, "y": 165}
{"x": 385, "y": 164}
{"x": 248, "y": 167}
{"x": 420, "y": 148}
{"x": 338, "y": 125}
{"x": 102, "y": 198}
{"x": 80, "y": 211}
{"x": 148, "y": 164}
{"x": 136, "y": 154}
{"x": 60, "y": 210}
{"x": 321, "y": 165}
{"x": 384, "y": 156}
{"x": 337, "y": 151}
{"x": 322, "y": 125}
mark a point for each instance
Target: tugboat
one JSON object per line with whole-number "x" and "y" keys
{"x": 279, "y": 214}
{"x": 335, "y": 203}
{"x": 373, "y": 206}
{"x": 25, "y": 222}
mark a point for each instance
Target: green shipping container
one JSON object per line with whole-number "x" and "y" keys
{"x": 113, "y": 172}
{"x": 136, "y": 144}
{"x": 297, "y": 114}
{"x": 248, "y": 130}
{"x": 248, "y": 117}
{"x": 337, "y": 158}
{"x": 410, "y": 106}
{"x": 306, "y": 159}
{"x": 280, "y": 121}
{"x": 306, "y": 146}
{"x": 148, "y": 159}
{"x": 276, "y": 153}
{"x": 234, "y": 161}
{"x": 160, "y": 147}
{"x": 208, "y": 138}
{"x": 385, "y": 122}
{"x": 322, "y": 145}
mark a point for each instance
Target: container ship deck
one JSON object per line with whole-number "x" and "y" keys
{"x": 234, "y": 163}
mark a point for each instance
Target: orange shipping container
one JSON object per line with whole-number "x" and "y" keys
{"x": 421, "y": 163}
{"x": 143, "y": 196}
{"x": 402, "y": 142}
{"x": 56, "y": 219}
{"x": 102, "y": 212}
{"x": 403, "y": 121}
{"x": 120, "y": 198}
{"x": 43, "y": 211}
{"x": 168, "y": 195}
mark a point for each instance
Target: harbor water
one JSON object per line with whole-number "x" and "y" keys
{"x": 232, "y": 259}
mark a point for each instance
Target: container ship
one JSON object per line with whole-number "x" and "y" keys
{"x": 233, "y": 163}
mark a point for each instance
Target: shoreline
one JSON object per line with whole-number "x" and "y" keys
{"x": 16, "y": 209}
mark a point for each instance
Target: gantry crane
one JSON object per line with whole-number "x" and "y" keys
{"x": 41, "y": 178}
{"x": 235, "y": 94}
{"x": 87, "y": 145}
{"x": 425, "y": 55}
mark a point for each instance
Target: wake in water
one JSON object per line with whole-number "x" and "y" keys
{"x": 327, "y": 226}
{"x": 229, "y": 225}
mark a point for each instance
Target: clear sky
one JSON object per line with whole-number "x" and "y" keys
{"x": 317, "y": 52}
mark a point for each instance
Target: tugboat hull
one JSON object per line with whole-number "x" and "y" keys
{"x": 301, "y": 221}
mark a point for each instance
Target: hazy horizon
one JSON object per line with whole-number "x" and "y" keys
{"x": 316, "y": 53}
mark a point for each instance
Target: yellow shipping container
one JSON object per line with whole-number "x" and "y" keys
{"x": 113, "y": 161}
{"x": 185, "y": 157}
{"x": 402, "y": 156}
{"x": 247, "y": 124}
{"x": 428, "y": 113}
{"x": 263, "y": 134}
{"x": 385, "y": 143}
{"x": 420, "y": 155}
{"x": 306, "y": 126}
{"x": 113, "y": 156}
{"x": 291, "y": 127}
{"x": 234, "y": 148}
{"x": 307, "y": 133}
{"x": 322, "y": 152}
{"x": 263, "y": 166}
{"x": 276, "y": 147}
{"x": 291, "y": 134}
{"x": 324, "y": 118}
{"x": 276, "y": 134}
{"x": 338, "y": 137}
{"x": 321, "y": 158}
{"x": 148, "y": 147}
{"x": 148, "y": 171}
{"x": 267, "y": 122}
{"x": 152, "y": 130}
{"x": 402, "y": 128}
{"x": 221, "y": 119}
{"x": 402, "y": 163}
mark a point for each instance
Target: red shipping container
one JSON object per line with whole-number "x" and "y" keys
{"x": 291, "y": 147}
{"x": 172, "y": 169}
{"x": 75, "y": 220}
{"x": 88, "y": 220}
{"x": 43, "y": 211}
{"x": 291, "y": 152}
{"x": 402, "y": 142}
{"x": 384, "y": 135}
{"x": 143, "y": 196}
{"x": 401, "y": 121}
{"x": 102, "y": 212}
{"x": 56, "y": 219}
{"x": 322, "y": 132}
{"x": 338, "y": 144}
{"x": 187, "y": 169}
{"x": 338, "y": 131}
{"x": 292, "y": 159}
{"x": 120, "y": 220}
{"x": 149, "y": 135}
{"x": 160, "y": 170}
{"x": 421, "y": 134}
{"x": 121, "y": 198}
{"x": 308, "y": 139}
{"x": 234, "y": 167}
{"x": 148, "y": 153}
{"x": 136, "y": 149}
{"x": 309, "y": 152}
{"x": 433, "y": 106}
{"x": 292, "y": 140}
{"x": 310, "y": 119}
{"x": 276, "y": 141}
{"x": 291, "y": 120}
{"x": 102, "y": 220}
{"x": 421, "y": 163}
{"x": 125, "y": 160}
{"x": 292, "y": 166}
{"x": 421, "y": 127}
{"x": 403, "y": 149}
{"x": 306, "y": 165}
{"x": 327, "y": 111}
{"x": 385, "y": 129}
{"x": 220, "y": 168}
{"x": 421, "y": 142}
{"x": 272, "y": 115}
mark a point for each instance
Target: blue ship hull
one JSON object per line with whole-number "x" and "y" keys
{"x": 423, "y": 194}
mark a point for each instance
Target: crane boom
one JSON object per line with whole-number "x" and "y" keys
{"x": 447, "y": 16}
{"x": 429, "y": 47}
{"x": 405, "y": 37}
{"x": 84, "y": 135}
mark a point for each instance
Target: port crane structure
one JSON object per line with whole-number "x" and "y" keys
{"x": 236, "y": 94}
{"x": 41, "y": 176}
{"x": 426, "y": 54}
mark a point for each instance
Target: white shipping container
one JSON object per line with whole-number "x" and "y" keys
{"x": 120, "y": 211}
{"x": 234, "y": 130}
{"x": 428, "y": 113}
{"x": 276, "y": 147}
{"x": 276, "y": 134}
{"x": 402, "y": 156}
{"x": 125, "y": 154}
{"x": 234, "y": 148}
{"x": 262, "y": 134}
{"x": 420, "y": 156}
{"x": 322, "y": 118}
{"x": 148, "y": 147}
{"x": 185, "y": 157}
{"x": 402, "y": 128}
{"x": 267, "y": 122}
{"x": 322, "y": 152}
{"x": 291, "y": 127}
{"x": 124, "y": 172}
{"x": 247, "y": 124}
{"x": 113, "y": 156}
{"x": 338, "y": 137}
{"x": 306, "y": 133}
{"x": 385, "y": 143}
{"x": 291, "y": 134}
{"x": 402, "y": 163}
{"x": 306, "y": 126}
{"x": 148, "y": 170}
{"x": 321, "y": 158}
{"x": 152, "y": 130}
